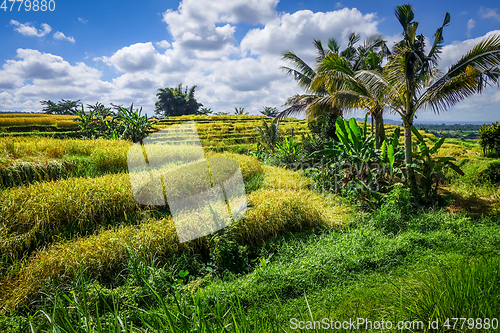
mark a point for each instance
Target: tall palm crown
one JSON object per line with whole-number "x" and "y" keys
{"x": 412, "y": 81}
{"x": 305, "y": 74}
{"x": 340, "y": 76}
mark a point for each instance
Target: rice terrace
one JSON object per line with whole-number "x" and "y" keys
{"x": 178, "y": 218}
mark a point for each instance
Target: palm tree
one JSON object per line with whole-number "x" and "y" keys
{"x": 411, "y": 80}
{"x": 304, "y": 75}
{"x": 339, "y": 75}
{"x": 334, "y": 69}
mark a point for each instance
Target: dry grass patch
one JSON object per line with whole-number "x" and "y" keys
{"x": 279, "y": 210}
{"x": 43, "y": 209}
{"x": 279, "y": 178}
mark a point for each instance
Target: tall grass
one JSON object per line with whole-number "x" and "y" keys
{"x": 103, "y": 255}
{"x": 470, "y": 289}
{"x": 31, "y": 215}
{"x": 21, "y": 119}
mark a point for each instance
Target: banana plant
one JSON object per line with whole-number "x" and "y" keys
{"x": 86, "y": 122}
{"x": 355, "y": 158}
{"x": 133, "y": 125}
{"x": 429, "y": 169}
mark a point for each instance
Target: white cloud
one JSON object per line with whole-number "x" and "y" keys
{"x": 82, "y": 20}
{"x": 206, "y": 25}
{"x": 489, "y": 13}
{"x": 470, "y": 25}
{"x": 133, "y": 58}
{"x": 60, "y": 36}
{"x": 35, "y": 75}
{"x": 29, "y": 30}
{"x": 163, "y": 44}
{"x": 297, "y": 31}
{"x": 453, "y": 52}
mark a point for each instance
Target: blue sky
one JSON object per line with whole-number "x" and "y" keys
{"x": 123, "y": 51}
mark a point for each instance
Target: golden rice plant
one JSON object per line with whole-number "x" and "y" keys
{"x": 21, "y": 119}
{"x": 47, "y": 208}
{"x": 18, "y": 173}
{"x": 34, "y": 147}
{"x": 279, "y": 210}
{"x": 103, "y": 255}
{"x": 279, "y": 178}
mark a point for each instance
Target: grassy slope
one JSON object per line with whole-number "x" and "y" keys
{"x": 369, "y": 269}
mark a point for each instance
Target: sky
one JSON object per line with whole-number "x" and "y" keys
{"x": 121, "y": 52}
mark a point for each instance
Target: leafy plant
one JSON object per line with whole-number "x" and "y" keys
{"x": 269, "y": 134}
{"x": 240, "y": 111}
{"x": 288, "y": 150}
{"x": 270, "y": 112}
{"x": 430, "y": 169}
{"x": 131, "y": 124}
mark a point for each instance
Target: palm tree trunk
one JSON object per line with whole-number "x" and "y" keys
{"x": 409, "y": 158}
{"x": 379, "y": 129}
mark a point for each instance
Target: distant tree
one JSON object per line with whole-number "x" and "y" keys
{"x": 63, "y": 107}
{"x": 175, "y": 102}
{"x": 220, "y": 113}
{"x": 205, "y": 111}
{"x": 240, "y": 111}
{"x": 270, "y": 112}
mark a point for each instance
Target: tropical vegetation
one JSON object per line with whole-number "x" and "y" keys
{"x": 335, "y": 226}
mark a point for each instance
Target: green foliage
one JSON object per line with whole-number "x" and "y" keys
{"x": 64, "y": 107}
{"x": 492, "y": 173}
{"x": 269, "y": 134}
{"x": 324, "y": 126}
{"x": 288, "y": 150}
{"x": 430, "y": 169}
{"x": 125, "y": 124}
{"x": 393, "y": 215}
{"x": 489, "y": 139}
{"x": 175, "y": 102}
{"x": 205, "y": 111}
{"x": 240, "y": 111}
{"x": 270, "y": 112}
{"x": 353, "y": 164}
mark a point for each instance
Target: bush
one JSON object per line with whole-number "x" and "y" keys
{"x": 394, "y": 214}
{"x": 489, "y": 139}
{"x": 492, "y": 173}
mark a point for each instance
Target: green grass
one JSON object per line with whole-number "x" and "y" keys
{"x": 361, "y": 271}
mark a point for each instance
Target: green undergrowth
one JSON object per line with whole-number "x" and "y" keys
{"x": 398, "y": 263}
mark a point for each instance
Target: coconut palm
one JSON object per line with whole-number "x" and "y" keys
{"x": 338, "y": 75}
{"x": 304, "y": 75}
{"x": 412, "y": 81}
{"x": 319, "y": 100}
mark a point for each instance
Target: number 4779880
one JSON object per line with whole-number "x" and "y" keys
{"x": 27, "y": 5}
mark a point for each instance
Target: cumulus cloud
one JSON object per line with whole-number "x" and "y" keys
{"x": 26, "y": 29}
{"x": 60, "y": 36}
{"x": 163, "y": 44}
{"x": 297, "y": 31}
{"x": 470, "y": 25}
{"x": 37, "y": 75}
{"x": 489, "y": 13}
{"x": 206, "y": 25}
{"x": 133, "y": 58}
{"x": 453, "y": 52}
